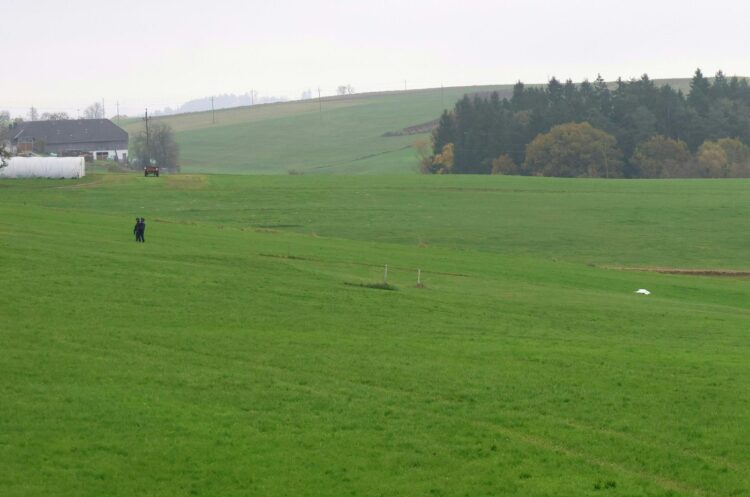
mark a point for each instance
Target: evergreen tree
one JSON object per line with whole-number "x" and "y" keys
{"x": 554, "y": 91}
{"x": 518, "y": 100}
{"x": 463, "y": 153}
{"x": 720, "y": 87}
{"x": 602, "y": 95}
{"x": 698, "y": 98}
{"x": 444, "y": 133}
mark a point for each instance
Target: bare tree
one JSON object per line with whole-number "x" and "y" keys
{"x": 344, "y": 90}
{"x": 4, "y": 155}
{"x": 5, "y": 132}
{"x": 156, "y": 143}
{"x": 33, "y": 114}
{"x": 94, "y": 111}
{"x": 55, "y": 116}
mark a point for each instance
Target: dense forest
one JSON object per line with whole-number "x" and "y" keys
{"x": 630, "y": 128}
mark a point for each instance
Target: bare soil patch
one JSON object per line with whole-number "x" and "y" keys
{"x": 732, "y": 273}
{"x": 416, "y": 129}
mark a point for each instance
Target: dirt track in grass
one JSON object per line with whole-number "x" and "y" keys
{"x": 733, "y": 273}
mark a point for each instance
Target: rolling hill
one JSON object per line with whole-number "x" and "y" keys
{"x": 337, "y": 135}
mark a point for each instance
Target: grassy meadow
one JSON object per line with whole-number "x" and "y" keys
{"x": 239, "y": 350}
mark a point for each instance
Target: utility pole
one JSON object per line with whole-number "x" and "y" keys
{"x": 148, "y": 159}
{"x": 213, "y": 116}
{"x": 404, "y": 85}
{"x": 118, "y": 112}
{"x": 320, "y": 104}
{"x": 252, "y": 97}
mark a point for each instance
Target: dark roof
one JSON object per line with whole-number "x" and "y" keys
{"x": 71, "y": 131}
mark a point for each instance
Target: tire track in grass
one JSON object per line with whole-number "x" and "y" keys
{"x": 716, "y": 460}
{"x": 292, "y": 258}
{"x": 95, "y": 182}
{"x": 553, "y": 446}
{"x": 724, "y": 273}
{"x": 539, "y": 442}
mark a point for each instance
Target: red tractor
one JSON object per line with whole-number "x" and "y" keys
{"x": 151, "y": 170}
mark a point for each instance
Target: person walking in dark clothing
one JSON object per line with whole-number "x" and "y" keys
{"x": 136, "y": 229}
{"x": 140, "y": 227}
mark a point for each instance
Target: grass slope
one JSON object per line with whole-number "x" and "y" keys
{"x": 345, "y": 137}
{"x": 235, "y": 354}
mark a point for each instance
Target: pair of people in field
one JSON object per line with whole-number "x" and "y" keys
{"x": 140, "y": 229}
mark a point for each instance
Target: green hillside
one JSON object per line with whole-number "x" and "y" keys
{"x": 243, "y": 350}
{"x": 345, "y": 137}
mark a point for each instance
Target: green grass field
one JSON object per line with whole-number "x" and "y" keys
{"x": 235, "y": 352}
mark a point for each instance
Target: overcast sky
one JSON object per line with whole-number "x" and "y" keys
{"x": 62, "y": 55}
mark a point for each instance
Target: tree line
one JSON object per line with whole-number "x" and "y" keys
{"x": 93, "y": 111}
{"x": 632, "y": 129}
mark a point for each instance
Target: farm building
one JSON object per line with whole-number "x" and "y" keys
{"x": 102, "y": 138}
{"x": 43, "y": 167}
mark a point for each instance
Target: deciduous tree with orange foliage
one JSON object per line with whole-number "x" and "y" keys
{"x": 725, "y": 158}
{"x": 662, "y": 157}
{"x": 574, "y": 150}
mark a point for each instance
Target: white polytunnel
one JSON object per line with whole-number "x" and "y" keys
{"x": 44, "y": 167}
